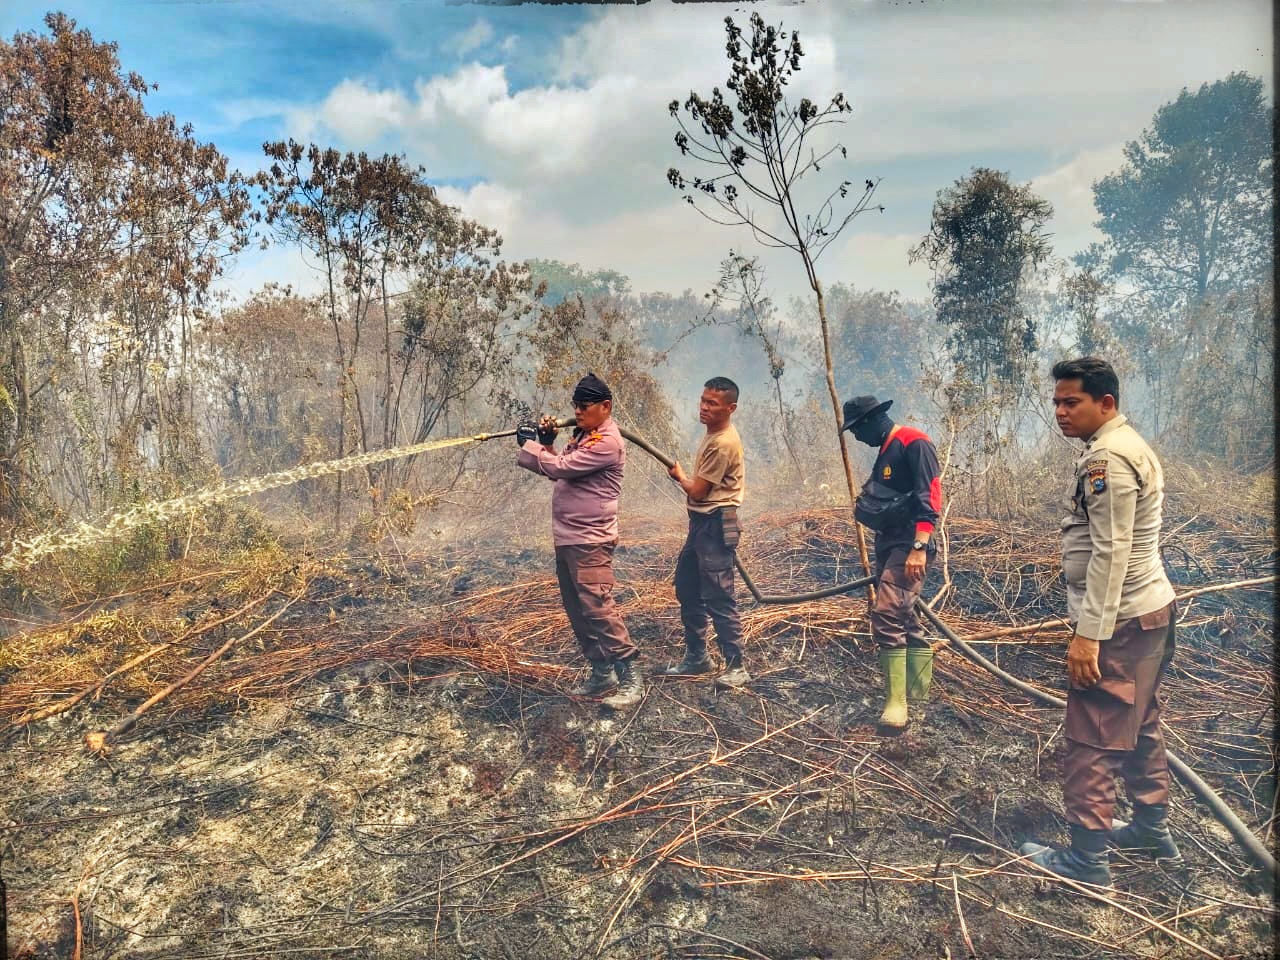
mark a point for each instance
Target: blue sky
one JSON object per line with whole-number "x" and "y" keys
{"x": 549, "y": 122}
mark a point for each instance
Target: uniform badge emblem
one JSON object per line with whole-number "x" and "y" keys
{"x": 888, "y": 471}
{"x": 1098, "y": 475}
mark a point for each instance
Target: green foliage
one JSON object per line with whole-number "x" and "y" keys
{"x": 561, "y": 281}
{"x": 1186, "y": 263}
{"x": 986, "y": 239}
{"x": 1191, "y": 210}
{"x": 879, "y": 341}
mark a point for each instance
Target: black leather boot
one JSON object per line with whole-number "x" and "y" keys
{"x": 1085, "y": 861}
{"x": 630, "y": 686}
{"x": 601, "y": 679}
{"x": 693, "y": 665}
{"x": 735, "y": 676}
{"x": 1148, "y": 834}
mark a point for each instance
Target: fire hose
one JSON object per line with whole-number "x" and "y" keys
{"x": 1254, "y": 847}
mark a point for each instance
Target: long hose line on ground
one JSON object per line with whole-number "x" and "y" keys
{"x": 1254, "y": 847}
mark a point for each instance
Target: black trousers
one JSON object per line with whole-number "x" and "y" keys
{"x": 705, "y": 584}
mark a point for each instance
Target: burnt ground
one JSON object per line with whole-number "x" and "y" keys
{"x": 424, "y": 787}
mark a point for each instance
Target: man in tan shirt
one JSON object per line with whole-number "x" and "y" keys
{"x": 704, "y": 569}
{"x": 1121, "y": 605}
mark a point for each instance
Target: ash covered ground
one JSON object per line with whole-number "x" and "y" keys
{"x": 392, "y": 769}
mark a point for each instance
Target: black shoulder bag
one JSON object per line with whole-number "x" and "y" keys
{"x": 881, "y": 507}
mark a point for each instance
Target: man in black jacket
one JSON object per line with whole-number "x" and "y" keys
{"x": 901, "y": 502}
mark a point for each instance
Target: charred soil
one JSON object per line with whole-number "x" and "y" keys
{"x": 392, "y": 768}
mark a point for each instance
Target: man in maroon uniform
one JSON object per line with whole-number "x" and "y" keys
{"x": 584, "y": 527}
{"x": 900, "y": 502}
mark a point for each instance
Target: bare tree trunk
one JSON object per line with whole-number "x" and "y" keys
{"x": 835, "y": 407}
{"x": 342, "y": 388}
{"x": 16, "y": 414}
{"x": 786, "y": 433}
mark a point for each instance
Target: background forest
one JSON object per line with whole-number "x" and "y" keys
{"x": 127, "y": 373}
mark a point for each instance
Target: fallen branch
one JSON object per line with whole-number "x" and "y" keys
{"x": 101, "y": 742}
{"x": 93, "y": 689}
{"x": 1018, "y": 629}
{"x": 964, "y": 927}
{"x": 1221, "y": 587}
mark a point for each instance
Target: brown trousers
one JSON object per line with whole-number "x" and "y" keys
{"x": 585, "y": 573}
{"x": 1114, "y": 726}
{"x": 894, "y": 622}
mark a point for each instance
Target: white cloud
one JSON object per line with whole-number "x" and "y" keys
{"x": 474, "y": 37}
{"x": 572, "y": 165}
{"x": 487, "y": 203}
{"x": 470, "y": 122}
{"x": 1070, "y": 189}
{"x": 359, "y": 114}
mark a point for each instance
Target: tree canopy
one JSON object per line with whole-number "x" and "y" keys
{"x": 113, "y": 225}
{"x": 1190, "y": 212}
{"x": 986, "y": 237}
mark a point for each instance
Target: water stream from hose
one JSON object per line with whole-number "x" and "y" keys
{"x": 25, "y": 553}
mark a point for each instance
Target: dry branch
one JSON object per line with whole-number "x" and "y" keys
{"x": 101, "y": 742}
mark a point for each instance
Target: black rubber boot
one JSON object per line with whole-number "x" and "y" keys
{"x": 1085, "y": 861}
{"x": 630, "y": 686}
{"x": 602, "y": 678}
{"x": 690, "y": 666}
{"x": 1148, "y": 834}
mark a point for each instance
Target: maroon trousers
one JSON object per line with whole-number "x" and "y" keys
{"x": 894, "y": 622}
{"x": 585, "y": 573}
{"x": 1114, "y": 726}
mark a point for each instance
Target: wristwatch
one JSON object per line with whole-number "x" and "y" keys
{"x": 919, "y": 545}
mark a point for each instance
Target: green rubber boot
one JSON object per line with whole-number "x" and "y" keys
{"x": 919, "y": 672}
{"x": 893, "y": 665}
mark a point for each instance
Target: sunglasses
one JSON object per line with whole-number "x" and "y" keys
{"x": 579, "y": 405}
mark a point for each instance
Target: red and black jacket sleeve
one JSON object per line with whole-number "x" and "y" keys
{"x": 912, "y": 459}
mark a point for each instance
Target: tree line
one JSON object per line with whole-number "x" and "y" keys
{"x": 125, "y": 375}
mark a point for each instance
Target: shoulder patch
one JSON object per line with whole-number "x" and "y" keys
{"x": 1097, "y": 474}
{"x": 909, "y": 435}
{"x": 592, "y": 439}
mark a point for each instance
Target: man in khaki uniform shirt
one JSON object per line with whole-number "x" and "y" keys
{"x": 704, "y": 569}
{"x": 1121, "y": 604}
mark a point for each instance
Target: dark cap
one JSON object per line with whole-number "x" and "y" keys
{"x": 859, "y": 408}
{"x": 591, "y": 389}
